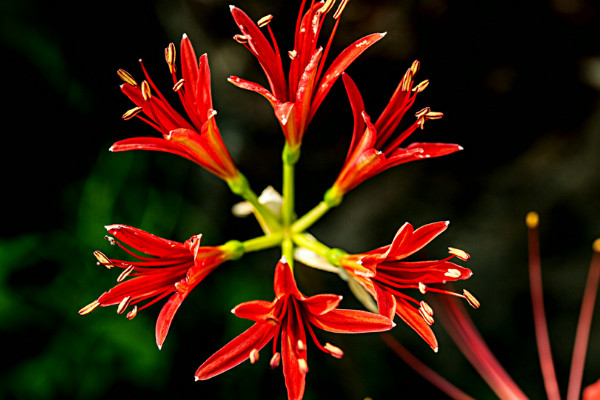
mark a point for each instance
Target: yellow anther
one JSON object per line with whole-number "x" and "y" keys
{"x": 178, "y": 85}
{"x": 302, "y": 366}
{"x": 103, "y": 260}
{"x": 300, "y": 346}
{"x": 264, "y": 21}
{"x": 125, "y": 273}
{"x": 123, "y": 304}
{"x": 292, "y": 54}
{"x": 89, "y": 308}
{"x": 110, "y": 239}
{"x": 327, "y": 6}
{"x": 423, "y": 112}
{"x": 428, "y": 318}
{"x": 426, "y": 308}
{"x": 240, "y": 38}
{"x": 334, "y": 350}
{"x": 170, "y": 57}
{"x": 340, "y": 9}
{"x": 126, "y": 77}
{"x": 434, "y": 115}
{"x": 272, "y": 320}
{"x": 131, "y": 113}
{"x": 406, "y": 81}
{"x": 274, "y": 363}
{"x": 458, "y": 253}
{"x": 422, "y": 288}
{"x": 181, "y": 286}
{"x": 253, "y": 356}
{"x": 146, "y": 90}
{"x": 532, "y": 220}
{"x": 131, "y": 314}
{"x": 421, "y": 86}
{"x": 414, "y": 68}
{"x": 453, "y": 273}
{"x": 473, "y": 302}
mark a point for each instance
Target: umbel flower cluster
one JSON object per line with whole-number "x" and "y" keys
{"x": 386, "y": 280}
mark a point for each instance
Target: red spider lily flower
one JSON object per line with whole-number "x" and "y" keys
{"x": 289, "y": 316}
{"x": 296, "y": 99}
{"x": 166, "y": 268}
{"x": 385, "y": 274}
{"x": 196, "y": 138}
{"x": 374, "y": 147}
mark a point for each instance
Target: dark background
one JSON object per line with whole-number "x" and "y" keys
{"x": 517, "y": 81}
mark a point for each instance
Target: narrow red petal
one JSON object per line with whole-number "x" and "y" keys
{"x": 189, "y": 65}
{"x": 431, "y": 150}
{"x": 236, "y": 351}
{"x": 295, "y": 378}
{"x": 284, "y": 283}
{"x": 413, "y": 319}
{"x": 152, "y": 144}
{"x": 163, "y": 323}
{"x": 339, "y": 65}
{"x": 145, "y": 241}
{"x": 358, "y": 107}
{"x": 386, "y": 302}
{"x": 351, "y": 321}
{"x": 261, "y": 48}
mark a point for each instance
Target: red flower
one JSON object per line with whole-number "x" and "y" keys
{"x": 289, "y": 316}
{"x": 197, "y": 139}
{"x": 167, "y": 268}
{"x": 385, "y": 275}
{"x": 373, "y": 149}
{"x": 296, "y": 99}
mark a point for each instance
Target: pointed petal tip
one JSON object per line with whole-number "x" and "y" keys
{"x": 435, "y": 349}
{"x": 196, "y": 379}
{"x": 184, "y": 36}
{"x": 382, "y": 34}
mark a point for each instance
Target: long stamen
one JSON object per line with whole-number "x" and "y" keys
{"x": 539, "y": 313}
{"x": 583, "y": 326}
{"x": 468, "y": 339}
{"x": 423, "y": 370}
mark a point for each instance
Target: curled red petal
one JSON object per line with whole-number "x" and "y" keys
{"x": 322, "y": 303}
{"x": 358, "y": 107}
{"x": 256, "y": 310}
{"x": 406, "y": 243}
